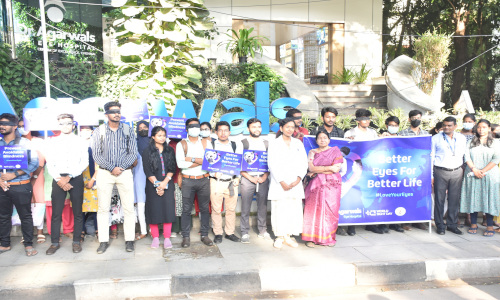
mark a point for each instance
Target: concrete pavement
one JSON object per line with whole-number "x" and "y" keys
{"x": 365, "y": 259}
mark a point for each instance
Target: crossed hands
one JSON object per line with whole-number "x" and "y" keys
{"x": 63, "y": 183}
{"x": 478, "y": 173}
{"x": 290, "y": 186}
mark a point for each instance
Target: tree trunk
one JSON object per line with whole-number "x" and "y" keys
{"x": 460, "y": 17}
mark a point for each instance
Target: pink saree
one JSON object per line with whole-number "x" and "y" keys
{"x": 321, "y": 212}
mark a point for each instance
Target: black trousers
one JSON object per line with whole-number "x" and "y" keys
{"x": 451, "y": 182}
{"x": 20, "y": 197}
{"x": 58, "y": 198}
{"x": 190, "y": 188}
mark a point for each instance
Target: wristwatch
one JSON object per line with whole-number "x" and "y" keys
{"x": 193, "y": 160}
{"x": 17, "y": 173}
{"x": 35, "y": 176}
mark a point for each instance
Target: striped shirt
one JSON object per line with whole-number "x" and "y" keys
{"x": 115, "y": 149}
{"x": 409, "y": 132}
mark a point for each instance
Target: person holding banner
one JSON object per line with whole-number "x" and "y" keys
{"x": 287, "y": 161}
{"x": 482, "y": 178}
{"x": 254, "y": 183}
{"x": 447, "y": 156}
{"x": 114, "y": 148}
{"x": 224, "y": 188}
{"x": 15, "y": 187}
{"x": 67, "y": 157}
{"x": 159, "y": 164}
{"x": 189, "y": 155}
{"x": 322, "y": 194}
{"x": 143, "y": 139}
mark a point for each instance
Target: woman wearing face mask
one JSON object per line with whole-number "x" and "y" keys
{"x": 205, "y": 131}
{"x": 469, "y": 121}
{"x": 140, "y": 178}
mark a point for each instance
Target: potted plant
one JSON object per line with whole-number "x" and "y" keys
{"x": 362, "y": 75}
{"x": 241, "y": 44}
{"x": 345, "y": 77}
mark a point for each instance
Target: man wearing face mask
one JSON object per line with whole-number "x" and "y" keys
{"x": 189, "y": 156}
{"x": 415, "y": 118}
{"x": 67, "y": 157}
{"x": 140, "y": 178}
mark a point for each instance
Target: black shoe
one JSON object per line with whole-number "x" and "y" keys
{"x": 374, "y": 229}
{"x": 52, "y": 249}
{"x": 396, "y": 227}
{"x": 218, "y": 239}
{"x": 384, "y": 228}
{"x": 233, "y": 238}
{"x": 102, "y": 247}
{"x": 351, "y": 230}
{"x": 420, "y": 226}
{"x": 440, "y": 231}
{"x": 77, "y": 248}
{"x": 207, "y": 241}
{"x": 186, "y": 242}
{"x": 455, "y": 230}
{"x": 129, "y": 246}
{"x": 341, "y": 231}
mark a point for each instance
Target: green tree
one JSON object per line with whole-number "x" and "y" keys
{"x": 159, "y": 44}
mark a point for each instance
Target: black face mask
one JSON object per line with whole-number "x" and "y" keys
{"x": 415, "y": 123}
{"x": 143, "y": 133}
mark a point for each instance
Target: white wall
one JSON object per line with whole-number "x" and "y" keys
{"x": 362, "y": 19}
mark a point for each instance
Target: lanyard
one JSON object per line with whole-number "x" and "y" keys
{"x": 449, "y": 144}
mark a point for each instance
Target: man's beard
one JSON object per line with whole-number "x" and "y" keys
{"x": 327, "y": 125}
{"x": 254, "y": 135}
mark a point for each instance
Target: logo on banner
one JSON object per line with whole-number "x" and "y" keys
{"x": 400, "y": 211}
{"x": 212, "y": 157}
{"x": 250, "y": 157}
{"x": 158, "y": 122}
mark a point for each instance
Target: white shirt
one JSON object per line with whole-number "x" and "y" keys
{"x": 360, "y": 135}
{"x": 286, "y": 164}
{"x": 446, "y": 152}
{"x": 67, "y": 154}
{"x": 257, "y": 145}
{"x": 194, "y": 150}
{"x": 227, "y": 148}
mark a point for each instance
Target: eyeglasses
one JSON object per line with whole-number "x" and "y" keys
{"x": 66, "y": 123}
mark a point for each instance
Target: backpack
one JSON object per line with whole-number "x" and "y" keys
{"x": 126, "y": 132}
{"x": 233, "y": 145}
{"x": 246, "y": 144}
{"x": 185, "y": 148}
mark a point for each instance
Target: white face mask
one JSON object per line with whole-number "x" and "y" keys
{"x": 22, "y": 131}
{"x": 205, "y": 133}
{"x": 468, "y": 126}
{"x": 86, "y": 134}
{"x": 392, "y": 129}
{"x": 194, "y": 132}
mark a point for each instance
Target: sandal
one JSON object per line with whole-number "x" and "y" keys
{"x": 40, "y": 239}
{"x": 114, "y": 234}
{"x": 278, "y": 243}
{"x": 69, "y": 235}
{"x": 472, "y": 230}
{"x": 30, "y": 251}
{"x": 140, "y": 236}
{"x": 5, "y": 249}
{"x": 290, "y": 242}
{"x": 310, "y": 244}
{"x": 497, "y": 230}
{"x": 489, "y": 233}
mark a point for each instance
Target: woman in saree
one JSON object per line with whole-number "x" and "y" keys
{"x": 322, "y": 202}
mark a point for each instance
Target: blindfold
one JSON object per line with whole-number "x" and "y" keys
{"x": 296, "y": 118}
{"x": 193, "y": 126}
{"x": 7, "y": 123}
{"x": 112, "y": 111}
{"x": 362, "y": 119}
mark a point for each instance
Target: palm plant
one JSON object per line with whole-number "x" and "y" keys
{"x": 362, "y": 75}
{"x": 344, "y": 77}
{"x": 242, "y": 44}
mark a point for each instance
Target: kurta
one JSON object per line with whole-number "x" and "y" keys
{"x": 482, "y": 194}
{"x": 286, "y": 163}
{"x": 159, "y": 209}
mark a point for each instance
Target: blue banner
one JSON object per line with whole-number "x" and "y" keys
{"x": 134, "y": 110}
{"x": 175, "y": 127}
{"x": 387, "y": 180}
{"x": 220, "y": 161}
{"x": 13, "y": 157}
{"x": 254, "y": 161}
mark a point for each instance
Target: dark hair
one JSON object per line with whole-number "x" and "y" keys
{"x": 12, "y": 118}
{"x": 65, "y": 116}
{"x": 191, "y": 120}
{"x": 392, "y": 119}
{"x": 292, "y": 112}
{"x": 155, "y": 161}
{"x": 476, "y": 139}
{"x": 363, "y": 113}
{"x": 470, "y": 116}
{"x": 208, "y": 124}
{"x": 283, "y": 122}
{"x": 493, "y": 126}
{"x": 414, "y": 112}
{"x": 329, "y": 109}
{"x": 450, "y": 119}
{"x": 345, "y": 150}
{"x": 253, "y": 120}
{"x": 222, "y": 123}
{"x": 321, "y": 132}
{"x": 436, "y": 128}
{"x": 111, "y": 104}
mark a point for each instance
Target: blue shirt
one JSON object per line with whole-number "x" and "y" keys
{"x": 32, "y": 162}
{"x": 448, "y": 153}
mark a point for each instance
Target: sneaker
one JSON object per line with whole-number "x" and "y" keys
{"x": 167, "y": 244}
{"x": 232, "y": 237}
{"x": 278, "y": 243}
{"x": 129, "y": 246}
{"x": 265, "y": 235}
{"x": 102, "y": 247}
{"x": 218, "y": 239}
{"x": 156, "y": 243}
{"x": 245, "y": 239}
{"x": 173, "y": 235}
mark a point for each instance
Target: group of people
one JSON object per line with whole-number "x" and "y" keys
{"x": 165, "y": 179}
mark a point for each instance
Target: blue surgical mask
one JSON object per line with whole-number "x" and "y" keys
{"x": 22, "y": 131}
{"x": 468, "y": 126}
{"x": 393, "y": 129}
